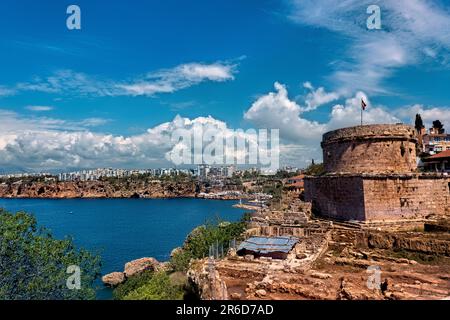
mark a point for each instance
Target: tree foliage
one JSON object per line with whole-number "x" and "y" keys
{"x": 315, "y": 169}
{"x": 437, "y": 124}
{"x": 133, "y": 283}
{"x": 418, "y": 123}
{"x": 33, "y": 265}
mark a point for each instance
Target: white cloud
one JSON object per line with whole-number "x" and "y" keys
{"x": 413, "y": 32}
{"x": 44, "y": 144}
{"x": 180, "y": 77}
{"x": 69, "y": 82}
{"x": 276, "y": 110}
{"x": 317, "y": 97}
{"x": 39, "y": 108}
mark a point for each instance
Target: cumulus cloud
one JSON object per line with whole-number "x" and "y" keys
{"x": 413, "y": 32}
{"x": 41, "y": 143}
{"x": 69, "y": 82}
{"x": 317, "y": 97}
{"x": 277, "y": 110}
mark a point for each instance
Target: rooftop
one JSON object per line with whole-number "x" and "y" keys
{"x": 440, "y": 155}
{"x": 264, "y": 245}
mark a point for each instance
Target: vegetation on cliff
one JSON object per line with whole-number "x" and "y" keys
{"x": 199, "y": 241}
{"x": 172, "y": 285}
{"x": 151, "y": 286}
{"x": 34, "y": 265}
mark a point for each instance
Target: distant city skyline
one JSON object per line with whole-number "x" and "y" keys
{"x": 112, "y": 93}
{"x": 203, "y": 171}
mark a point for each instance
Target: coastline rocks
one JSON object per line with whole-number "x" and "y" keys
{"x": 138, "y": 266}
{"x": 113, "y": 279}
{"x": 134, "y": 268}
{"x": 98, "y": 189}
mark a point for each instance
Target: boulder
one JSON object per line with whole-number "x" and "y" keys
{"x": 236, "y": 296}
{"x": 113, "y": 279}
{"x": 138, "y": 266}
{"x": 261, "y": 293}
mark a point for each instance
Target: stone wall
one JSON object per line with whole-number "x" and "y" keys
{"x": 336, "y": 197}
{"x": 370, "y": 149}
{"x": 378, "y": 197}
{"x": 418, "y": 242}
{"x": 406, "y": 197}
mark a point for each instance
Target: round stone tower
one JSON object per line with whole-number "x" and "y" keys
{"x": 381, "y": 148}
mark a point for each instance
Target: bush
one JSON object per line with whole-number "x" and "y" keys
{"x": 133, "y": 283}
{"x": 158, "y": 287}
{"x": 34, "y": 264}
{"x": 180, "y": 260}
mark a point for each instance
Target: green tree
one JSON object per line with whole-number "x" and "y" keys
{"x": 315, "y": 169}
{"x": 33, "y": 265}
{"x": 418, "y": 123}
{"x": 437, "y": 124}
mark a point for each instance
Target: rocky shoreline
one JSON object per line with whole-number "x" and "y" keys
{"x": 132, "y": 269}
{"x": 107, "y": 190}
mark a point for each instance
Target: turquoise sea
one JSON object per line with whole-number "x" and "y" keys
{"x": 122, "y": 230}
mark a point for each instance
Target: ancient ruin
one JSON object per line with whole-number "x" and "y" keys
{"x": 371, "y": 176}
{"x": 371, "y": 214}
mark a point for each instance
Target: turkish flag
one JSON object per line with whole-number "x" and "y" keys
{"x": 363, "y": 104}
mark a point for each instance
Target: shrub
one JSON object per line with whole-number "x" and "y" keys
{"x": 158, "y": 287}
{"x": 180, "y": 260}
{"x": 34, "y": 264}
{"x": 131, "y": 284}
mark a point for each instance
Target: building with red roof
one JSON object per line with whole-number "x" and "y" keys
{"x": 439, "y": 162}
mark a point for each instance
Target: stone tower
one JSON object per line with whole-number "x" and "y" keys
{"x": 371, "y": 175}
{"x": 370, "y": 149}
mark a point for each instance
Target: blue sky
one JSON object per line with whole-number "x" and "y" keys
{"x": 300, "y": 66}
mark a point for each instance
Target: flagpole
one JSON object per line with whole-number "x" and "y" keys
{"x": 363, "y": 107}
{"x": 361, "y": 116}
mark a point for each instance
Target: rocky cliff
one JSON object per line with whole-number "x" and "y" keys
{"x": 99, "y": 189}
